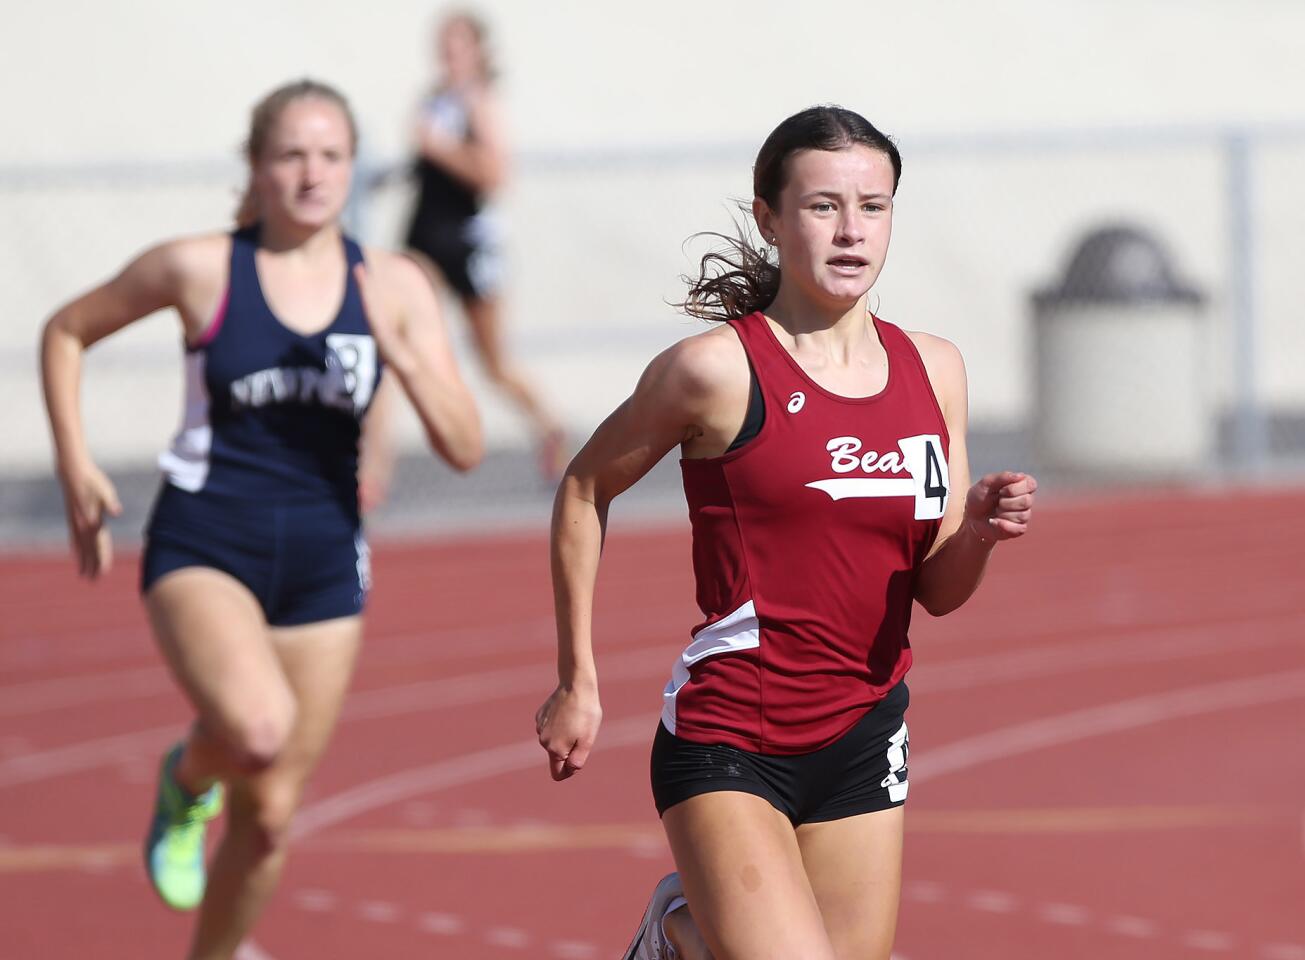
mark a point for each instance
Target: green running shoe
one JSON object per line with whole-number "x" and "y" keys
{"x": 174, "y": 846}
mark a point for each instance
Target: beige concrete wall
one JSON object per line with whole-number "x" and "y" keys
{"x": 144, "y": 78}
{"x": 596, "y": 250}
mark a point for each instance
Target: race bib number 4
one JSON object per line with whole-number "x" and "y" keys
{"x": 928, "y": 467}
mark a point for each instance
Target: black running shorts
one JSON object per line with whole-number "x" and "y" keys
{"x": 863, "y": 771}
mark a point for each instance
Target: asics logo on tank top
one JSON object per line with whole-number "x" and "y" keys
{"x": 879, "y": 474}
{"x": 346, "y": 384}
{"x": 797, "y": 401}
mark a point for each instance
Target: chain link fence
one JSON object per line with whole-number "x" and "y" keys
{"x": 597, "y": 243}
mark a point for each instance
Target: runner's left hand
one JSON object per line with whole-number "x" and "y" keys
{"x": 1000, "y": 505}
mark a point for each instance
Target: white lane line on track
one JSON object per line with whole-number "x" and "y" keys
{"x": 573, "y": 950}
{"x": 453, "y": 643}
{"x": 507, "y": 937}
{"x": 1076, "y": 915}
{"x": 249, "y": 950}
{"x": 993, "y": 901}
{"x": 1065, "y": 914}
{"x": 378, "y": 911}
{"x": 926, "y": 891}
{"x": 1038, "y": 734}
{"x": 441, "y": 924}
{"x": 314, "y": 900}
{"x": 491, "y": 685}
{"x": 959, "y": 755}
{"x": 1144, "y": 645}
{"x": 1129, "y": 926}
{"x": 1170, "y": 643}
{"x": 1212, "y": 940}
{"x": 1106, "y": 719}
{"x": 455, "y": 771}
{"x": 421, "y": 697}
{"x": 1283, "y": 951}
{"x": 951, "y": 758}
{"x": 1035, "y": 735}
{"x": 426, "y": 696}
{"x": 120, "y": 644}
{"x": 444, "y": 924}
{"x": 44, "y": 695}
{"x": 40, "y": 695}
{"x": 86, "y": 755}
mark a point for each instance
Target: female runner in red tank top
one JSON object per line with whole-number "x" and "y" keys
{"x": 820, "y": 446}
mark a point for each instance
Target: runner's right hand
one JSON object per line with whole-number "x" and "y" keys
{"x": 567, "y": 725}
{"x": 88, "y": 496}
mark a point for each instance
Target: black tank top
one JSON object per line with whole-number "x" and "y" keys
{"x": 442, "y": 198}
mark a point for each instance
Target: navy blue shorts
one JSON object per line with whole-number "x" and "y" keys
{"x": 304, "y": 561}
{"x": 863, "y": 771}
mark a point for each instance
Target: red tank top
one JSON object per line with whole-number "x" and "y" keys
{"x": 806, "y": 544}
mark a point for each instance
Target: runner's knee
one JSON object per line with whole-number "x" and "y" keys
{"x": 260, "y": 738}
{"x": 271, "y": 809}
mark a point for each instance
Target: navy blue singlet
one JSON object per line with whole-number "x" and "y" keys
{"x": 262, "y": 478}
{"x": 272, "y": 414}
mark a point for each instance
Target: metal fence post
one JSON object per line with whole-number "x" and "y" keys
{"x": 1249, "y": 440}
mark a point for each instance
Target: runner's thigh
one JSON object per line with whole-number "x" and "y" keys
{"x": 855, "y": 869}
{"x": 744, "y": 878}
{"x": 211, "y": 630}
{"x": 318, "y": 661}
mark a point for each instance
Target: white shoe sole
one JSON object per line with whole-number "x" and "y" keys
{"x": 665, "y": 891}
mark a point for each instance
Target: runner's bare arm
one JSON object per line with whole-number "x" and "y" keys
{"x": 152, "y": 281}
{"x": 412, "y": 339}
{"x": 997, "y": 507}
{"x": 678, "y": 397}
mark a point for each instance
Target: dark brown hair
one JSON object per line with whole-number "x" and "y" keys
{"x": 263, "y": 119}
{"x": 741, "y": 278}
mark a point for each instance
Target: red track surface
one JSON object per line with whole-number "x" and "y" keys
{"x": 1107, "y": 754}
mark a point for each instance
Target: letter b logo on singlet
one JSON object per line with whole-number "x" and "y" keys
{"x": 354, "y": 356}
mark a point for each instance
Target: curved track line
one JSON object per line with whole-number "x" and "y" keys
{"x": 1169, "y": 643}
{"x": 86, "y": 755}
{"x": 1109, "y": 718}
{"x": 952, "y": 758}
{"x": 38, "y": 696}
{"x": 1161, "y": 644}
{"x": 490, "y": 685}
{"x": 423, "y": 696}
{"x": 468, "y": 768}
{"x": 44, "y": 695}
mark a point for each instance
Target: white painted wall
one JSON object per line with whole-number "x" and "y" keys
{"x": 596, "y": 251}
{"x": 144, "y": 78}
